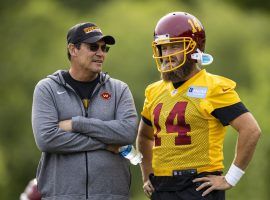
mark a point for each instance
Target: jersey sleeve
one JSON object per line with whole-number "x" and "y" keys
{"x": 222, "y": 94}
{"x": 146, "y": 107}
{"x": 229, "y": 113}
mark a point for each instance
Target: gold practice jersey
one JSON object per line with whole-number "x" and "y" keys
{"x": 186, "y": 135}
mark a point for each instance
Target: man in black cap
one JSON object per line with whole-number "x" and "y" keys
{"x": 80, "y": 117}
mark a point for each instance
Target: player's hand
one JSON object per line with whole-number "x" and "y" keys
{"x": 113, "y": 148}
{"x": 148, "y": 188}
{"x": 212, "y": 182}
{"x": 66, "y": 125}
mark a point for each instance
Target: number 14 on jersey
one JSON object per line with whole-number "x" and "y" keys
{"x": 181, "y": 127}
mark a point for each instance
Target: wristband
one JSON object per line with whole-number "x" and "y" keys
{"x": 234, "y": 175}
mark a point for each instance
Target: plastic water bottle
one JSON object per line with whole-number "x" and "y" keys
{"x": 129, "y": 152}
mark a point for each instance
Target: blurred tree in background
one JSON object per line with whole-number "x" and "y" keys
{"x": 33, "y": 39}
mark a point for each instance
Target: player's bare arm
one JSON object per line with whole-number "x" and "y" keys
{"x": 249, "y": 133}
{"x": 145, "y": 142}
{"x": 248, "y": 136}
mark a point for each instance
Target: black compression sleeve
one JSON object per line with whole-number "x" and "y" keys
{"x": 229, "y": 113}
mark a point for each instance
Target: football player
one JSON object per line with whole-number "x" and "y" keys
{"x": 184, "y": 119}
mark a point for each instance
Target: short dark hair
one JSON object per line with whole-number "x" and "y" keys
{"x": 77, "y": 46}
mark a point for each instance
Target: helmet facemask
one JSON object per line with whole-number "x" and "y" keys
{"x": 166, "y": 63}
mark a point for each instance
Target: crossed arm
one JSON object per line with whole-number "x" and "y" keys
{"x": 48, "y": 136}
{"x": 59, "y": 137}
{"x": 121, "y": 130}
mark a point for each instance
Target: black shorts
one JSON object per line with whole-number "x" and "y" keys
{"x": 181, "y": 187}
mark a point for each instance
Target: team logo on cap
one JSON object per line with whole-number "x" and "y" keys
{"x": 106, "y": 95}
{"x": 91, "y": 29}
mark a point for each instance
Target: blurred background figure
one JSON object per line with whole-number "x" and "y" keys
{"x": 31, "y": 192}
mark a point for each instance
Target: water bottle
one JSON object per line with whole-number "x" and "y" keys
{"x": 129, "y": 152}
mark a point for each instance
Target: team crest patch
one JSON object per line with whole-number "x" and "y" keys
{"x": 197, "y": 92}
{"x": 106, "y": 95}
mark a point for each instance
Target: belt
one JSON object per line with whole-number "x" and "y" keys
{"x": 184, "y": 172}
{"x": 193, "y": 172}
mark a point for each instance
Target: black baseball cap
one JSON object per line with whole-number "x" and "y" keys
{"x": 89, "y": 33}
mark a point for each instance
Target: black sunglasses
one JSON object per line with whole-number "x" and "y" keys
{"x": 94, "y": 47}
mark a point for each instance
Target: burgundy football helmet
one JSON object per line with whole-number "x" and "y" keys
{"x": 178, "y": 27}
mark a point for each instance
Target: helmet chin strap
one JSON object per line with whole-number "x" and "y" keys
{"x": 202, "y": 58}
